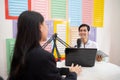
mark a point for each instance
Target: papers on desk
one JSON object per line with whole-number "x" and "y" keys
{"x": 99, "y": 52}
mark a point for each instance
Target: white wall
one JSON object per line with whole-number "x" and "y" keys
{"x": 5, "y": 32}
{"x": 104, "y": 34}
{"x": 108, "y": 38}
{"x": 115, "y": 32}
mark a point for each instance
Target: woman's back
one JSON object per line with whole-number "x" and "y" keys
{"x": 41, "y": 65}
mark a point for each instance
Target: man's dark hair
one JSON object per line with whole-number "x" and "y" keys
{"x": 84, "y": 25}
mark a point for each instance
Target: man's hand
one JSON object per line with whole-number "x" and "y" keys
{"x": 99, "y": 58}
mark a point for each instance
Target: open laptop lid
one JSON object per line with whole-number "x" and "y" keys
{"x": 81, "y": 56}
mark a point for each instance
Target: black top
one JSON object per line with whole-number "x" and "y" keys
{"x": 1, "y": 78}
{"x": 41, "y": 65}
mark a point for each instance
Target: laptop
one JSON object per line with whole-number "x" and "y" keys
{"x": 81, "y": 56}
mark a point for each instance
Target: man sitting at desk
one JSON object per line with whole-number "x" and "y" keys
{"x": 84, "y": 41}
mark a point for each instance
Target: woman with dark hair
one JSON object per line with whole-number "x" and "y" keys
{"x": 1, "y": 78}
{"x": 30, "y": 61}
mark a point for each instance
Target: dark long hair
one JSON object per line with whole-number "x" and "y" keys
{"x": 28, "y": 37}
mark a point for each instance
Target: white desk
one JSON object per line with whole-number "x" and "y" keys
{"x": 101, "y": 71}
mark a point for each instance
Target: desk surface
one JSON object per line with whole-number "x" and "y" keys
{"x": 101, "y": 71}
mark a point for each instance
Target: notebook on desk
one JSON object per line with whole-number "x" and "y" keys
{"x": 81, "y": 56}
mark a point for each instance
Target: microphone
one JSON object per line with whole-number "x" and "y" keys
{"x": 78, "y": 43}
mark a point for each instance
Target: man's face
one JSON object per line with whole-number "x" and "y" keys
{"x": 83, "y": 33}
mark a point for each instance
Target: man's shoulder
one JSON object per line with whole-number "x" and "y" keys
{"x": 91, "y": 42}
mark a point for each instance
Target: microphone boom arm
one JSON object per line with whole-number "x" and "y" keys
{"x": 54, "y": 38}
{"x": 49, "y": 41}
{"x": 64, "y": 43}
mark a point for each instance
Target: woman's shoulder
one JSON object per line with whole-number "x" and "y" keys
{"x": 39, "y": 50}
{"x": 39, "y": 53}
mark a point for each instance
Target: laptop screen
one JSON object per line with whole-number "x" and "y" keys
{"x": 81, "y": 56}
